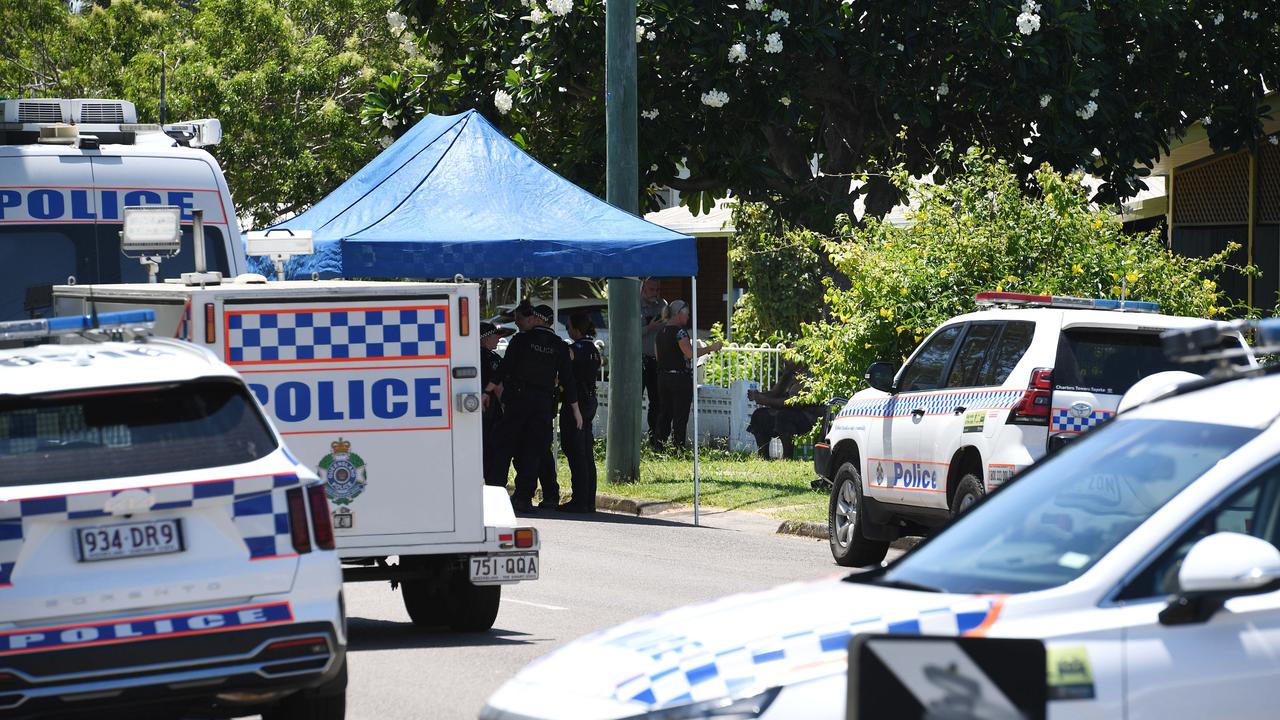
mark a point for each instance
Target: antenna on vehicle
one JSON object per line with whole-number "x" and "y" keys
{"x": 93, "y": 310}
{"x": 162, "y": 67}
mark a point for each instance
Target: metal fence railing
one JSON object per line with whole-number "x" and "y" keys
{"x": 758, "y": 363}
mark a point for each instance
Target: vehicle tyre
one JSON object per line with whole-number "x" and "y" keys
{"x": 845, "y": 523}
{"x": 425, "y": 601}
{"x": 473, "y": 608}
{"x": 969, "y": 491}
{"x": 326, "y": 702}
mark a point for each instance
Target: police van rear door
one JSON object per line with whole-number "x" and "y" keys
{"x": 358, "y": 378}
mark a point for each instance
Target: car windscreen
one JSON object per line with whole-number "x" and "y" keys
{"x": 1111, "y": 361}
{"x": 1053, "y": 522}
{"x": 134, "y": 430}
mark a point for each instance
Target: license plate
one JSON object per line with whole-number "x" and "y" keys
{"x": 110, "y": 542}
{"x": 504, "y": 568}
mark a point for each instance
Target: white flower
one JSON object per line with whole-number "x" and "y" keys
{"x": 737, "y": 52}
{"x": 649, "y": 114}
{"x": 396, "y": 21}
{"x": 1030, "y": 7}
{"x": 1217, "y": 19}
{"x": 1045, "y": 100}
{"x": 653, "y": 167}
{"x": 639, "y": 33}
{"x": 1206, "y": 121}
{"x": 943, "y": 89}
{"x": 1137, "y": 115}
{"x": 755, "y": 4}
{"x": 409, "y": 47}
{"x": 502, "y": 101}
{"x": 1088, "y": 110}
{"x": 785, "y": 100}
{"x": 1274, "y": 140}
{"x": 388, "y": 122}
{"x": 537, "y": 15}
{"x": 773, "y": 43}
{"x": 1182, "y": 54}
{"x": 1129, "y": 58}
{"x": 560, "y": 8}
{"x": 1250, "y": 15}
{"x": 651, "y": 35}
{"x": 781, "y": 16}
{"x": 901, "y": 47}
{"x": 1093, "y": 92}
{"x": 385, "y": 141}
{"x": 1028, "y": 23}
{"x": 715, "y": 98}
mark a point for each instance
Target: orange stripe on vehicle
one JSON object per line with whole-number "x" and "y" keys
{"x": 992, "y": 615}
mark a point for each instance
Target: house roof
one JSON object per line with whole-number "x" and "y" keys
{"x": 716, "y": 223}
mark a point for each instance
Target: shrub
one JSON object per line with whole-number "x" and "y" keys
{"x": 783, "y": 271}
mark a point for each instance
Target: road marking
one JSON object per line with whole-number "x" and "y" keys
{"x": 534, "y": 604}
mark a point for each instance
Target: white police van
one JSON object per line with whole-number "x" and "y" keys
{"x": 160, "y": 549}
{"x": 69, "y": 168}
{"x": 1144, "y": 556}
{"x": 376, "y": 387}
{"x": 984, "y": 396}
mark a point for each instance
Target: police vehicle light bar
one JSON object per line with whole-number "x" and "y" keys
{"x": 69, "y": 325}
{"x": 994, "y": 299}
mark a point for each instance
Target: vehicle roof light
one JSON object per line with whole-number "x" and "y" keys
{"x": 49, "y": 327}
{"x": 1009, "y": 299}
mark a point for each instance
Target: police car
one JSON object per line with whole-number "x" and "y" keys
{"x": 984, "y": 396}
{"x": 159, "y": 546}
{"x": 1143, "y": 555}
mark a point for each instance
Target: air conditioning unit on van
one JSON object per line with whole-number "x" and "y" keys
{"x": 36, "y": 111}
{"x": 94, "y": 111}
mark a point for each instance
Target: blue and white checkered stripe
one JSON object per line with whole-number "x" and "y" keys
{"x": 258, "y": 508}
{"x": 702, "y": 675}
{"x": 933, "y": 403}
{"x": 292, "y": 335}
{"x": 1064, "y": 421}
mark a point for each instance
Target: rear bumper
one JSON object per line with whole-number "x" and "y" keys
{"x": 258, "y": 665}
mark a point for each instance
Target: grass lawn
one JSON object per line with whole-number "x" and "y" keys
{"x": 734, "y": 481}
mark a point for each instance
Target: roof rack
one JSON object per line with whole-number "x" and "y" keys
{"x": 1010, "y": 299}
{"x": 1202, "y": 342}
{"x": 136, "y": 322}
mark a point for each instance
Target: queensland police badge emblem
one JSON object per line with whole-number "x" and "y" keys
{"x": 344, "y": 473}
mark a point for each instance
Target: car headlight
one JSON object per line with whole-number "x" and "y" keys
{"x": 719, "y": 708}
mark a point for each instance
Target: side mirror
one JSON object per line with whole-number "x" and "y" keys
{"x": 1218, "y": 568}
{"x": 880, "y": 376}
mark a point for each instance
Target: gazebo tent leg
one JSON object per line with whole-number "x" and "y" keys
{"x": 694, "y": 343}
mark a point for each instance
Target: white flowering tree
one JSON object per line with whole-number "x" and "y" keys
{"x": 746, "y": 94}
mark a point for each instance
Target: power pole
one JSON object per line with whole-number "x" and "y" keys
{"x": 622, "y": 454}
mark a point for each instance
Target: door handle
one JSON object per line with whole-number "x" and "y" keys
{"x": 917, "y": 413}
{"x": 959, "y": 409}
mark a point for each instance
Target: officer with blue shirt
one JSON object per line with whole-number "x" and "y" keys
{"x": 536, "y": 363}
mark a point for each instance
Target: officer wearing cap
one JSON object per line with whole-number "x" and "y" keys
{"x": 536, "y": 362}
{"x": 578, "y": 442}
{"x": 495, "y": 473}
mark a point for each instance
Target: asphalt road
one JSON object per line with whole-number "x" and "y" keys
{"x": 596, "y": 571}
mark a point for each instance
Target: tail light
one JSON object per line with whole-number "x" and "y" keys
{"x": 210, "y": 327}
{"x": 298, "y": 646}
{"x": 320, "y": 517}
{"x": 464, "y": 316}
{"x": 298, "y": 521}
{"x": 1033, "y": 407}
{"x": 525, "y": 537}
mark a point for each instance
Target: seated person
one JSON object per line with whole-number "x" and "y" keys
{"x": 775, "y": 418}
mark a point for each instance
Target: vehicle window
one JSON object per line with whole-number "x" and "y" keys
{"x": 1111, "y": 361}
{"x": 1009, "y": 349}
{"x": 925, "y": 371}
{"x": 134, "y": 431}
{"x": 1055, "y": 520}
{"x": 41, "y": 256}
{"x": 1255, "y": 511}
{"x": 972, "y": 355}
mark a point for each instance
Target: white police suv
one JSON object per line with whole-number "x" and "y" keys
{"x": 984, "y": 396}
{"x": 1143, "y": 555}
{"x": 160, "y": 550}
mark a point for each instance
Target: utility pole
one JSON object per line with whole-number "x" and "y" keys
{"x": 622, "y": 454}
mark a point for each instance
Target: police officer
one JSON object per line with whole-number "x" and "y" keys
{"x": 495, "y": 473}
{"x": 536, "y": 362}
{"x": 578, "y": 442}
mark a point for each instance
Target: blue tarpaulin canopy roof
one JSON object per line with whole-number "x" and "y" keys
{"x": 455, "y": 196}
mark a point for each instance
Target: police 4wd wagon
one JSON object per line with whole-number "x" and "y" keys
{"x": 1143, "y": 556}
{"x": 983, "y": 397}
{"x": 160, "y": 550}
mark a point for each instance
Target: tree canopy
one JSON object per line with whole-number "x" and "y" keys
{"x": 786, "y": 100}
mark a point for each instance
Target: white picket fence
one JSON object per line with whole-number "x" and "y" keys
{"x": 761, "y": 364}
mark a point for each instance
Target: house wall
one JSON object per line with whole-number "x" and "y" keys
{"x": 713, "y": 266}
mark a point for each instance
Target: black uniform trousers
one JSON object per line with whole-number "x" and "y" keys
{"x": 579, "y": 450}
{"x": 496, "y": 463}
{"x": 649, "y": 376}
{"x": 676, "y": 389}
{"x": 526, "y": 430}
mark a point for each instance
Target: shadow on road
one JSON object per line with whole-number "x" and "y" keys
{"x": 366, "y": 634}
{"x": 609, "y": 518}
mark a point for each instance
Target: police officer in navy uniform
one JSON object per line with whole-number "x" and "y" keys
{"x": 536, "y": 363}
{"x": 495, "y": 473}
{"x": 578, "y": 442}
